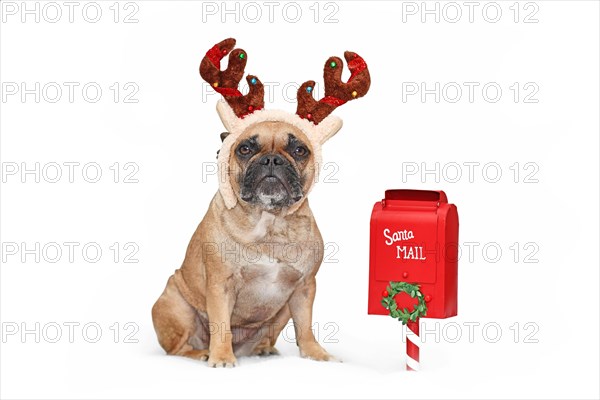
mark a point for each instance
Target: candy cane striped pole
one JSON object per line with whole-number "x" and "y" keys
{"x": 412, "y": 346}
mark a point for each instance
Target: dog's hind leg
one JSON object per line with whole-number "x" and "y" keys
{"x": 279, "y": 322}
{"x": 175, "y": 323}
{"x": 274, "y": 327}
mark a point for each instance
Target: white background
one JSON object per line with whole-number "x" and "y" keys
{"x": 172, "y": 133}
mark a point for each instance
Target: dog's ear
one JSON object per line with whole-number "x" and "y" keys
{"x": 223, "y": 136}
{"x": 328, "y": 127}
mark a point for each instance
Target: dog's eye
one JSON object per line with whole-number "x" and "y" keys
{"x": 300, "y": 151}
{"x": 244, "y": 150}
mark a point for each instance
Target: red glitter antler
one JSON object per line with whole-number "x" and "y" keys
{"x": 226, "y": 82}
{"x": 336, "y": 91}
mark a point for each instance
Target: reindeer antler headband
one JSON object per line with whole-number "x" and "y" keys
{"x": 337, "y": 92}
{"x": 312, "y": 117}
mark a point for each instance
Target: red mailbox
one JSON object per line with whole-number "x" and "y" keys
{"x": 414, "y": 239}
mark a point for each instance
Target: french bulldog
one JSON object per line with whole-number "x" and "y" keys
{"x": 251, "y": 263}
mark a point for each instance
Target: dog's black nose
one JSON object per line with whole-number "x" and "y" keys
{"x": 271, "y": 159}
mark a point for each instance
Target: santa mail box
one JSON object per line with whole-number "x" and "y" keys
{"x": 414, "y": 239}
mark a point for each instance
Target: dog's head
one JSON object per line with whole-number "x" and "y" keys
{"x": 270, "y": 158}
{"x": 272, "y": 165}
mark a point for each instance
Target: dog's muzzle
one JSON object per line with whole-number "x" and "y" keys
{"x": 271, "y": 180}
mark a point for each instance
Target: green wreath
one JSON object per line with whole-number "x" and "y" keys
{"x": 404, "y": 315}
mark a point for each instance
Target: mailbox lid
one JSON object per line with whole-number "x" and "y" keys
{"x": 404, "y": 243}
{"x": 422, "y": 197}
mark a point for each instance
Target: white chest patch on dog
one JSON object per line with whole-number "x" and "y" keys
{"x": 261, "y": 278}
{"x": 268, "y": 280}
{"x": 262, "y": 227}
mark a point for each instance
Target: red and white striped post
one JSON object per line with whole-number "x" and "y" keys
{"x": 412, "y": 346}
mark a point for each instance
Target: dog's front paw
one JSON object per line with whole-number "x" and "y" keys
{"x": 314, "y": 351}
{"x": 222, "y": 360}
